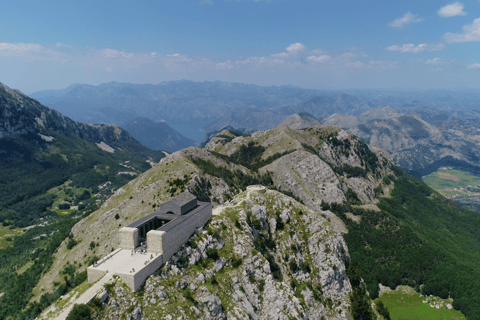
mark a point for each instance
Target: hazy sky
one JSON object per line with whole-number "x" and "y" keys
{"x": 316, "y": 44}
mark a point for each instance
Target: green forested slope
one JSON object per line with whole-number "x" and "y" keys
{"x": 419, "y": 239}
{"x": 42, "y": 151}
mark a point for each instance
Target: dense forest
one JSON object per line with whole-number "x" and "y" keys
{"x": 30, "y": 167}
{"x": 418, "y": 239}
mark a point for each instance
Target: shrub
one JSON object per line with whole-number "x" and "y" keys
{"x": 236, "y": 262}
{"x": 382, "y": 310}
{"x": 293, "y": 265}
{"x": 187, "y": 294}
{"x": 238, "y": 225}
{"x": 305, "y": 267}
{"x": 93, "y": 260}
{"x": 71, "y": 243}
{"x": 117, "y": 216}
{"x": 212, "y": 253}
{"x": 261, "y": 286}
{"x": 79, "y": 312}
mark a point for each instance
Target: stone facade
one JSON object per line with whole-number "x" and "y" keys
{"x": 165, "y": 231}
{"x": 155, "y": 241}
{"x": 128, "y": 238}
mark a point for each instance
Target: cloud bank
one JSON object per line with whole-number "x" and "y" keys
{"x": 408, "y": 18}
{"x": 411, "y": 48}
{"x": 471, "y": 33}
{"x": 452, "y": 10}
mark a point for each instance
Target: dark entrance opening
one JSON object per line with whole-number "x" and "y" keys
{"x": 152, "y": 224}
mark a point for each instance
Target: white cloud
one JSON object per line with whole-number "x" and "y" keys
{"x": 319, "y": 59}
{"x": 62, "y": 45}
{"x": 452, "y": 10}
{"x": 434, "y": 61}
{"x": 11, "y": 50}
{"x": 295, "y": 48}
{"x": 206, "y": 2}
{"x": 281, "y": 55}
{"x": 411, "y": 48}
{"x": 31, "y": 52}
{"x": 406, "y": 19}
{"x": 474, "y": 66}
{"x": 471, "y": 33}
{"x": 115, "y": 54}
{"x": 227, "y": 65}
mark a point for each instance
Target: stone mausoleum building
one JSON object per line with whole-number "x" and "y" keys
{"x": 150, "y": 241}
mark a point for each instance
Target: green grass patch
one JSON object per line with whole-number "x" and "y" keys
{"x": 64, "y": 212}
{"x": 405, "y": 303}
{"x": 24, "y": 267}
{"x": 7, "y": 235}
{"x": 444, "y": 179}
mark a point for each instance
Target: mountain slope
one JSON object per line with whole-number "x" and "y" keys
{"x": 157, "y": 136}
{"x": 413, "y": 142}
{"x": 42, "y": 149}
{"x": 53, "y": 171}
{"x": 398, "y": 231}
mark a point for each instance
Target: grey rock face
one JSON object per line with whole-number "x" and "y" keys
{"x": 137, "y": 313}
{"x": 213, "y": 306}
{"x": 103, "y": 296}
{"x": 303, "y": 173}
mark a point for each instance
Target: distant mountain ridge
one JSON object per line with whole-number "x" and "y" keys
{"x": 414, "y": 143}
{"x": 170, "y": 101}
{"x": 157, "y": 136}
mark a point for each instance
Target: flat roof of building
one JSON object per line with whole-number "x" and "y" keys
{"x": 123, "y": 262}
{"x": 182, "y": 198}
{"x": 175, "y": 219}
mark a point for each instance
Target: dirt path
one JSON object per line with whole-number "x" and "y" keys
{"x": 85, "y": 297}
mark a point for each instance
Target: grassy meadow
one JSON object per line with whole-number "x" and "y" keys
{"x": 7, "y": 235}
{"x": 406, "y": 304}
{"x": 444, "y": 181}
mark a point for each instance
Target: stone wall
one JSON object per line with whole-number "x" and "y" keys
{"x": 94, "y": 274}
{"x": 177, "y": 236}
{"x": 136, "y": 280}
{"x": 142, "y": 275}
{"x": 155, "y": 242}
{"x": 128, "y": 238}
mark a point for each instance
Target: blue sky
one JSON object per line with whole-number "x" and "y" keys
{"x": 315, "y": 44}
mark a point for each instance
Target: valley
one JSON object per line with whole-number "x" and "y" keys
{"x": 462, "y": 187}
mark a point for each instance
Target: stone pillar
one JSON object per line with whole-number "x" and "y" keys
{"x": 155, "y": 241}
{"x": 128, "y": 238}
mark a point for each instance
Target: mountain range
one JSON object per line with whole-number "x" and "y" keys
{"x": 340, "y": 220}
{"x": 156, "y": 136}
{"x": 338, "y": 211}
{"x": 414, "y": 143}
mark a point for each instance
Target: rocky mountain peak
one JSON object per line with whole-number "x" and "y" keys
{"x": 380, "y": 113}
{"x": 300, "y": 120}
{"x": 15, "y": 93}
